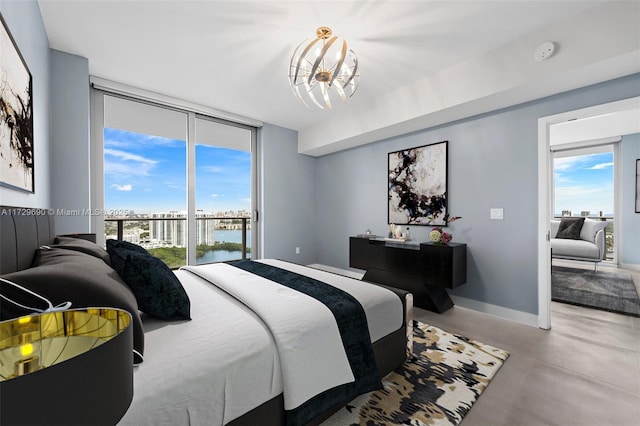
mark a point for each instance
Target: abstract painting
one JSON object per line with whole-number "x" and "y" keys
{"x": 16, "y": 116}
{"x": 418, "y": 185}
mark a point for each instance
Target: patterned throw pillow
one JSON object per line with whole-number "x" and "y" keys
{"x": 156, "y": 288}
{"x": 570, "y": 228}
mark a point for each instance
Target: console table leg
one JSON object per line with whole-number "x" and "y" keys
{"x": 431, "y": 298}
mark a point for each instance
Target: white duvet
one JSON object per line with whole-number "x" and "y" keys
{"x": 225, "y": 362}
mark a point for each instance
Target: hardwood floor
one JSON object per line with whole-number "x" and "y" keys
{"x": 584, "y": 371}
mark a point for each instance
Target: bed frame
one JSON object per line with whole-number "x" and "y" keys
{"x": 23, "y": 230}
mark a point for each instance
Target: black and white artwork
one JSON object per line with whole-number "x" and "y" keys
{"x": 418, "y": 185}
{"x": 16, "y": 116}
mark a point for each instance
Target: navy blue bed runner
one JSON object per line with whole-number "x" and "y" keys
{"x": 354, "y": 331}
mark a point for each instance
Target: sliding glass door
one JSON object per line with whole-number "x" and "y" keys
{"x": 222, "y": 191}
{"x": 178, "y": 183}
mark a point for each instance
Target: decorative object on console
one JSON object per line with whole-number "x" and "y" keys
{"x": 438, "y": 236}
{"x": 16, "y": 116}
{"x": 66, "y": 367}
{"x": 322, "y": 65}
{"x": 417, "y": 191}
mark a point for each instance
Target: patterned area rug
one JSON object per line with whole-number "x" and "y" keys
{"x": 438, "y": 386}
{"x": 607, "y": 291}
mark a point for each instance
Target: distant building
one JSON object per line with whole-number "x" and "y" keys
{"x": 168, "y": 232}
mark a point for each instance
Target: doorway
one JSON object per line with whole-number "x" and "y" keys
{"x": 584, "y": 185}
{"x": 623, "y": 117}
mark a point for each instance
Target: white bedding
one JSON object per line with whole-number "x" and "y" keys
{"x": 224, "y": 362}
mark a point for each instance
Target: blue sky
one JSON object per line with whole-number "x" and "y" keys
{"x": 147, "y": 173}
{"x": 584, "y": 183}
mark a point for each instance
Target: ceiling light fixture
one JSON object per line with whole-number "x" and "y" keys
{"x": 329, "y": 68}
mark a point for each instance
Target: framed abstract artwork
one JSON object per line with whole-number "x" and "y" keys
{"x": 16, "y": 116}
{"x": 418, "y": 185}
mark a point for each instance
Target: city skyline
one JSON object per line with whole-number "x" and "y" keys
{"x": 584, "y": 183}
{"x": 147, "y": 174}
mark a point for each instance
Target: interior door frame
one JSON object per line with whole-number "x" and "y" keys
{"x": 545, "y": 171}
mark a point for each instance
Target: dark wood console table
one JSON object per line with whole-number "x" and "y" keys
{"x": 424, "y": 269}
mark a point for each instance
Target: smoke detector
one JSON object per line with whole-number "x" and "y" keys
{"x": 544, "y": 51}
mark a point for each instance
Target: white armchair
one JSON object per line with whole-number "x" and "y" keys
{"x": 590, "y": 247}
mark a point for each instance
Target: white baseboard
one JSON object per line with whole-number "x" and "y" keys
{"x": 499, "y": 311}
{"x": 631, "y": 266}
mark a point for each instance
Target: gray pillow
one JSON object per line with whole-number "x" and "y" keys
{"x": 83, "y": 246}
{"x": 62, "y": 275}
{"x": 570, "y": 228}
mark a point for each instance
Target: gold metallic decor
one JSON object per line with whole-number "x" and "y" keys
{"x": 75, "y": 366}
{"x": 30, "y": 343}
{"x": 322, "y": 67}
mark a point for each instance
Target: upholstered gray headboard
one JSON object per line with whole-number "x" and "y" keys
{"x": 22, "y": 231}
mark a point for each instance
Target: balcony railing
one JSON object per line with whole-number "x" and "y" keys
{"x": 222, "y": 224}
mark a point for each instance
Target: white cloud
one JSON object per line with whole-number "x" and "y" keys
{"x": 215, "y": 195}
{"x": 126, "y": 163}
{"x": 126, "y": 187}
{"x": 600, "y": 166}
{"x": 127, "y": 156}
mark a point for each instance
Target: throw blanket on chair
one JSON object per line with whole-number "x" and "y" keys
{"x": 321, "y": 333}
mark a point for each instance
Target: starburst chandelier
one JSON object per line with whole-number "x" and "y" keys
{"x": 321, "y": 72}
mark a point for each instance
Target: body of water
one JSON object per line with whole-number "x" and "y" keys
{"x": 223, "y": 255}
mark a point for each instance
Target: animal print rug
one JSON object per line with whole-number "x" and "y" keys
{"x": 437, "y": 386}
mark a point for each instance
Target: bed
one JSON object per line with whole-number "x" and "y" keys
{"x": 227, "y": 364}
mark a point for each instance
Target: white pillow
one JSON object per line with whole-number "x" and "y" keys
{"x": 553, "y": 229}
{"x": 590, "y": 228}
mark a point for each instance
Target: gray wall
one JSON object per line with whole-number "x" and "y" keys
{"x": 492, "y": 163}
{"x": 70, "y": 141}
{"x": 25, "y": 24}
{"x": 288, "y": 205}
{"x": 630, "y": 219}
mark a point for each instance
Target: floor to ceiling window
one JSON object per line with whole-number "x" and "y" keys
{"x": 175, "y": 182}
{"x": 223, "y": 191}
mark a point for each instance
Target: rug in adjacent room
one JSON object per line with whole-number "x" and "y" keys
{"x": 438, "y": 386}
{"x": 607, "y": 291}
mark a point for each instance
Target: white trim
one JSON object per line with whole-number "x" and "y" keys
{"x": 544, "y": 217}
{"x": 595, "y": 143}
{"x": 96, "y": 165}
{"x": 191, "y": 189}
{"x": 617, "y": 203}
{"x": 544, "y": 180}
{"x": 130, "y": 91}
{"x": 630, "y": 266}
{"x": 525, "y": 318}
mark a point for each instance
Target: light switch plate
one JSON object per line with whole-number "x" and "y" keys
{"x": 496, "y": 213}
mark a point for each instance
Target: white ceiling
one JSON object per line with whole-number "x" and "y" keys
{"x": 234, "y": 55}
